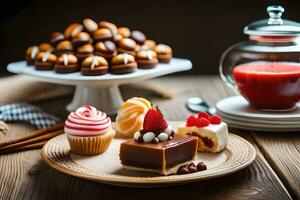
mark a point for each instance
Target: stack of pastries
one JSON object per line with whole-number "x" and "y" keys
{"x": 96, "y": 49}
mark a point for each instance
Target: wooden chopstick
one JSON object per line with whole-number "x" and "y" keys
{"x": 34, "y": 134}
{"x": 37, "y": 145}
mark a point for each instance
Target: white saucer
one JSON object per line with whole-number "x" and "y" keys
{"x": 238, "y": 114}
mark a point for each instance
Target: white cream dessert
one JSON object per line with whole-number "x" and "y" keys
{"x": 210, "y": 130}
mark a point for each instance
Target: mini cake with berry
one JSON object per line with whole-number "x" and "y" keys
{"x": 156, "y": 148}
{"x": 210, "y": 130}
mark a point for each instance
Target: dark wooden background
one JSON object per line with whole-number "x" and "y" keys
{"x": 198, "y": 30}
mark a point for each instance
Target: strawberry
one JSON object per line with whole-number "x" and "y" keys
{"x": 154, "y": 121}
{"x": 215, "y": 119}
{"x": 203, "y": 115}
{"x": 202, "y": 122}
{"x": 191, "y": 121}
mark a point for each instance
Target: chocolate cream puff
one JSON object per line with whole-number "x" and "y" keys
{"x": 94, "y": 65}
{"x": 56, "y": 37}
{"x": 124, "y": 32}
{"x": 123, "y": 63}
{"x": 81, "y": 38}
{"x": 46, "y": 47}
{"x": 72, "y": 30}
{"x": 138, "y": 37}
{"x": 45, "y": 61}
{"x": 89, "y": 25}
{"x": 84, "y": 51}
{"x": 31, "y": 53}
{"x": 106, "y": 49}
{"x": 66, "y": 63}
{"x": 102, "y": 34}
{"x": 146, "y": 59}
{"x": 64, "y": 47}
{"x": 112, "y": 27}
{"x": 164, "y": 53}
{"x": 127, "y": 45}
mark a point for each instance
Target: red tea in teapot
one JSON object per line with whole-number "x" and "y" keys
{"x": 269, "y": 85}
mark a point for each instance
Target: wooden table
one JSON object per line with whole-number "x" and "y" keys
{"x": 275, "y": 173}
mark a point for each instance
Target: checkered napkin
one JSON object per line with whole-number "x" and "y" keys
{"x": 27, "y": 113}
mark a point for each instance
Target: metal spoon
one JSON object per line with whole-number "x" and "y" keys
{"x": 196, "y": 104}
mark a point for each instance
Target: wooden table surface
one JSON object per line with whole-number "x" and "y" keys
{"x": 274, "y": 174}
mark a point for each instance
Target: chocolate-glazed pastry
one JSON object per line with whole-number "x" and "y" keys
{"x": 81, "y": 38}
{"x": 138, "y": 36}
{"x": 102, "y": 34}
{"x": 66, "y": 63}
{"x": 117, "y": 38}
{"x": 123, "y": 64}
{"x": 45, "y": 61}
{"x": 94, "y": 65}
{"x": 44, "y": 47}
{"x": 106, "y": 49}
{"x": 56, "y": 37}
{"x": 64, "y": 47}
{"x": 124, "y": 32}
{"x": 150, "y": 44}
{"x": 84, "y": 51}
{"x": 112, "y": 27}
{"x": 31, "y": 53}
{"x": 90, "y": 25}
{"x": 164, "y": 53}
{"x": 146, "y": 59}
{"x": 127, "y": 45}
{"x": 72, "y": 30}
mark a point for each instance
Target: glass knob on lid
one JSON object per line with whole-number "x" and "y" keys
{"x": 274, "y": 26}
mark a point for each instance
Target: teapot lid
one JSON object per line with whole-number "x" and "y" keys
{"x": 274, "y": 26}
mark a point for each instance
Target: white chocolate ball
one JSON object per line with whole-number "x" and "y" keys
{"x": 168, "y": 130}
{"x": 137, "y": 135}
{"x": 148, "y": 137}
{"x": 163, "y": 137}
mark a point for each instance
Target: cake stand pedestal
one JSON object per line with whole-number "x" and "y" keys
{"x": 99, "y": 91}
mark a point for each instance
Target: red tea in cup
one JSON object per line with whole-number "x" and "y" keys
{"x": 269, "y": 85}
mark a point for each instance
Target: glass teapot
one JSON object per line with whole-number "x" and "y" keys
{"x": 266, "y": 68}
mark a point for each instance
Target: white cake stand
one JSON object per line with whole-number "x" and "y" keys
{"x": 99, "y": 91}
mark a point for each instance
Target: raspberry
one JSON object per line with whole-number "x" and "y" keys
{"x": 215, "y": 119}
{"x": 203, "y": 115}
{"x": 202, "y": 122}
{"x": 191, "y": 121}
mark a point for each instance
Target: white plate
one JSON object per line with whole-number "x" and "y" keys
{"x": 239, "y": 107}
{"x": 175, "y": 65}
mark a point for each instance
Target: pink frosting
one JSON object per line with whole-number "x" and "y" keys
{"x": 87, "y": 121}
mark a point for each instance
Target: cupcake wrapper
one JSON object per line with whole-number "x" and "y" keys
{"x": 91, "y": 145}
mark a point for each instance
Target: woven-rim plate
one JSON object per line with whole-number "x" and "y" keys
{"x": 56, "y": 153}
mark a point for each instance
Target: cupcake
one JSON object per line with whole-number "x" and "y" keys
{"x": 89, "y": 131}
{"x": 131, "y": 115}
{"x": 146, "y": 59}
{"x": 123, "y": 64}
{"x": 164, "y": 53}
